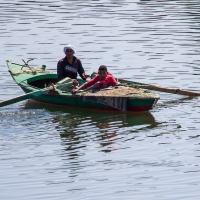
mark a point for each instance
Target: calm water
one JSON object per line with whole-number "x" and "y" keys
{"x": 55, "y": 153}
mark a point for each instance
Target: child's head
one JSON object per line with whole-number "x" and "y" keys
{"x": 102, "y": 71}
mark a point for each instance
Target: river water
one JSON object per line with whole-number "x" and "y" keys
{"x": 65, "y": 153}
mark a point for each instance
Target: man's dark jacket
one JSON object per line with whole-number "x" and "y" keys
{"x": 65, "y": 69}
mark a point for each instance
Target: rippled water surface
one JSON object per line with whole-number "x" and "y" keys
{"x": 65, "y": 153}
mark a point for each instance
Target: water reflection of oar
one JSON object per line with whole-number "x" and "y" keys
{"x": 24, "y": 97}
{"x": 162, "y": 89}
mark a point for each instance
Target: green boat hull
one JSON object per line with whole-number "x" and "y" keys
{"x": 32, "y": 80}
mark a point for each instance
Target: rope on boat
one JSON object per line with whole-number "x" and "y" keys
{"x": 28, "y": 71}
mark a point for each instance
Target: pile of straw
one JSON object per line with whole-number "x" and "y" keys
{"x": 117, "y": 91}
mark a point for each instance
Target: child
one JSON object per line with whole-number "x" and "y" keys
{"x": 103, "y": 79}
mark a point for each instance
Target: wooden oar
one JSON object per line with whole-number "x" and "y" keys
{"x": 169, "y": 90}
{"x": 163, "y": 89}
{"x": 24, "y": 97}
{"x": 32, "y": 94}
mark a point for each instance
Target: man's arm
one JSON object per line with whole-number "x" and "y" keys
{"x": 81, "y": 88}
{"x": 87, "y": 86}
{"x": 81, "y": 71}
{"x": 60, "y": 71}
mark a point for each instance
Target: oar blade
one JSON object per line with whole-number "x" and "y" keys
{"x": 23, "y": 97}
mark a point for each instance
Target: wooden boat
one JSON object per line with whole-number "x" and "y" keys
{"x": 36, "y": 82}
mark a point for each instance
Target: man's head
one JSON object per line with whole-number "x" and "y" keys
{"x": 69, "y": 51}
{"x": 103, "y": 71}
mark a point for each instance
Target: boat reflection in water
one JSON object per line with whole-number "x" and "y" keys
{"x": 78, "y": 126}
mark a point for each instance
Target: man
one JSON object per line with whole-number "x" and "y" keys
{"x": 103, "y": 79}
{"x": 70, "y": 65}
